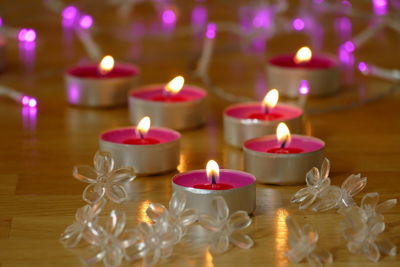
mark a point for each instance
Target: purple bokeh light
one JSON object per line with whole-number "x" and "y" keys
{"x": 298, "y": 24}
{"x": 29, "y": 101}
{"x": 380, "y": 7}
{"x": 211, "y": 30}
{"x": 27, "y": 35}
{"x": 262, "y": 18}
{"x": 362, "y": 66}
{"x": 73, "y": 94}
{"x": 70, "y": 13}
{"x": 1, "y": 21}
{"x": 304, "y": 87}
{"x": 199, "y": 16}
{"x": 168, "y": 16}
{"x": 86, "y": 21}
{"x": 349, "y": 46}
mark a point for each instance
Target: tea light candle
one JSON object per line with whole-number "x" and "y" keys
{"x": 245, "y": 121}
{"x": 103, "y": 85}
{"x": 286, "y": 71}
{"x": 2, "y": 52}
{"x": 172, "y": 105}
{"x": 148, "y": 150}
{"x": 282, "y": 159}
{"x": 236, "y": 187}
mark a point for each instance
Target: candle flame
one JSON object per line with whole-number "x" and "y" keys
{"x": 303, "y": 55}
{"x": 175, "y": 85}
{"x": 106, "y": 65}
{"x": 212, "y": 170}
{"x": 283, "y": 134}
{"x": 143, "y": 126}
{"x": 271, "y": 99}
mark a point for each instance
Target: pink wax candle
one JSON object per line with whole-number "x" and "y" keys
{"x": 100, "y": 85}
{"x": 148, "y": 150}
{"x": 237, "y": 188}
{"x": 248, "y": 120}
{"x": 173, "y": 105}
{"x": 282, "y": 158}
{"x": 286, "y": 72}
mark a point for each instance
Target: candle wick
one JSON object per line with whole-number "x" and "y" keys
{"x": 266, "y": 110}
{"x": 213, "y": 180}
{"x": 283, "y": 143}
{"x": 141, "y": 135}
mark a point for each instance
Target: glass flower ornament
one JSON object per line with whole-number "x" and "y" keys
{"x": 104, "y": 180}
{"x": 317, "y": 182}
{"x": 85, "y": 218}
{"x": 111, "y": 241}
{"x": 363, "y": 226}
{"x": 303, "y": 245}
{"x": 152, "y": 242}
{"x": 177, "y": 215}
{"x": 340, "y": 197}
{"x": 224, "y": 228}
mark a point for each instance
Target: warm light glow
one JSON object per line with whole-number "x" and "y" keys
{"x": 175, "y": 85}
{"x": 106, "y": 65}
{"x": 212, "y": 170}
{"x": 143, "y": 126}
{"x": 281, "y": 237}
{"x": 283, "y": 134}
{"x": 303, "y": 55}
{"x": 271, "y": 99}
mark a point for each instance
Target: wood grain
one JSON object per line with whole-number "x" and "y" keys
{"x": 38, "y": 196}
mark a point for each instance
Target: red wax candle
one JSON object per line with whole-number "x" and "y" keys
{"x": 265, "y": 116}
{"x": 91, "y": 71}
{"x": 316, "y": 62}
{"x": 141, "y": 141}
{"x": 173, "y": 98}
{"x": 217, "y": 186}
{"x": 288, "y": 150}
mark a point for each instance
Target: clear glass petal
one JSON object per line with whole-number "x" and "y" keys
{"x": 85, "y": 173}
{"x": 103, "y": 162}
{"x": 188, "y": 217}
{"x": 241, "y": 240}
{"x": 239, "y": 220}
{"x": 152, "y": 257}
{"x": 370, "y": 200}
{"x": 178, "y": 202}
{"x": 312, "y": 177}
{"x": 300, "y": 195}
{"x": 324, "y": 256}
{"x": 295, "y": 254}
{"x": 134, "y": 243}
{"x": 117, "y": 193}
{"x": 386, "y": 246}
{"x": 92, "y": 259}
{"x": 116, "y": 222}
{"x": 167, "y": 252}
{"x": 155, "y": 211}
{"x": 386, "y": 205}
{"x": 83, "y": 214}
{"x": 328, "y": 199}
{"x": 93, "y": 193}
{"x": 220, "y": 243}
{"x": 94, "y": 234}
{"x": 221, "y": 207}
{"x": 354, "y": 184}
{"x": 372, "y": 252}
{"x": 294, "y": 230}
{"x": 123, "y": 175}
{"x": 354, "y": 247}
{"x": 71, "y": 236}
{"x": 113, "y": 256}
{"x": 312, "y": 235}
{"x": 325, "y": 168}
{"x": 310, "y": 198}
{"x": 209, "y": 222}
{"x": 146, "y": 229}
{"x": 313, "y": 260}
{"x": 97, "y": 207}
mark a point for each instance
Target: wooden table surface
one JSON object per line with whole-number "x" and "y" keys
{"x": 38, "y": 148}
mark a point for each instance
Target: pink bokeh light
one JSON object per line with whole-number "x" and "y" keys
{"x": 86, "y": 21}
{"x": 211, "y": 30}
{"x": 298, "y": 24}
{"x": 304, "y": 87}
{"x": 27, "y": 35}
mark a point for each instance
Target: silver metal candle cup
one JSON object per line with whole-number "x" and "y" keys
{"x": 175, "y": 115}
{"x": 145, "y": 159}
{"x": 101, "y": 93}
{"x": 282, "y": 169}
{"x": 238, "y": 130}
{"x": 240, "y": 198}
{"x": 322, "y": 82}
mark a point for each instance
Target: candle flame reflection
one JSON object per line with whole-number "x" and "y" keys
{"x": 106, "y": 65}
{"x": 142, "y": 215}
{"x": 175, "y": 85}
{"x": 303, "y": 55}
{"x": 212, "y": 170}
{"x": 271, "y": 98}
{"x": 281, "y": 237}
{"x": 143, "y": 126}
{"x": 283, "y": 134}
